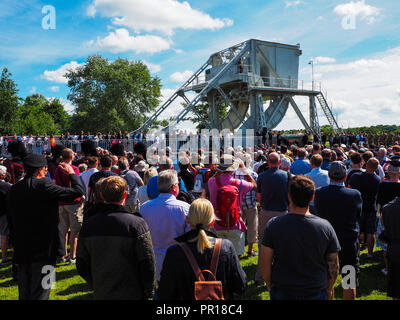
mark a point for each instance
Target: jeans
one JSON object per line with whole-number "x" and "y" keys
{"x": 279, "y": 294}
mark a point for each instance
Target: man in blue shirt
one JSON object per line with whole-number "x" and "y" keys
{"x": 319, "y": 176}
{"x": 165, "y": 216}
{"x": 152, "y": 187}
{"x": 301, "y": 165}
{"x": 342, "y": 207}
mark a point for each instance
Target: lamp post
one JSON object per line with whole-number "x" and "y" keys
{"x": 312, "y": 72}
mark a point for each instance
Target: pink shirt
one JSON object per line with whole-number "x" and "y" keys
{"x": 227, "y": 179}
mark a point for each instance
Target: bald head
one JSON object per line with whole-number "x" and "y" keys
{"x": 372, "y": 165}
{"x": 274, "y": 160}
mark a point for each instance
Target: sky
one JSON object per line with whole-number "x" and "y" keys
{"x": 355, "y": 45}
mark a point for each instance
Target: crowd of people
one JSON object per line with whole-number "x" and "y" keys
{"x": 42, "y": 143}
{"x": 140, "y": 228}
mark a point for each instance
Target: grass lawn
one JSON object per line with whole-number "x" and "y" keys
{"x": 70, "y": 286}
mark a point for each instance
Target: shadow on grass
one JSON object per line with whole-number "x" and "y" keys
{"x": 73, "y": 289}
{"x": 370, "y": 279}
{"x": 66, "y": 274}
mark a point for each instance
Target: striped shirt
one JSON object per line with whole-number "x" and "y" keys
{"x": 249, "y": 199}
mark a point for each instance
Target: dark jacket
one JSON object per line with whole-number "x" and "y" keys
{"x": 391, "y": 222}
{"x": 342, "y": 207}
{"x": 115, "y": 255}
{"x": 33, "y": 209}
{"x": 177, "y": 276}
{"x": 4, "y": 189}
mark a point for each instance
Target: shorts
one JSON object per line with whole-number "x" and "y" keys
{"x": 368, "y": 222}
{"x": 349, "y": 255}
{"x": 237, "y": 237}
{"x": 393, "y": 280}
{"x": 4, "y": 230}
{"x": 71, "y": 217}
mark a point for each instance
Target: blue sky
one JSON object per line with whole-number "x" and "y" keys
{"x": 174, "y": 36}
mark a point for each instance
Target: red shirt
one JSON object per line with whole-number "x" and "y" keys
{"x": 62, "y": 179}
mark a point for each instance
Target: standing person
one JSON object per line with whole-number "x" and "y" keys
{"x": 177, "y": 276}
{"x": 356, "y": 166}
{"x": 70, "y": 212}
{"x": 15, "y": 166}
{"x": 301, "y": 165}
{"x": 249, "y": 208}
{"x": 272, "y": 194}
{"x": 35, "y": 223}
{"x": 142, "y": 191}
{"x": 165, "y": 216}
{"x": 368, "y": 184}
{"x": 224, "y": 209}
{"x": 345, "y": 221}
{"x": 391, "y": 221}
{"x": 326, "y": 156}
{"x": 104, "y": 172}
{"x": 303, "y": 248}
{"x": 319, "y": 176}
{"x": 93, "y": 163}
{"x": 115, "y": 253}
{"x": 134, "y": 183}
{"x": 388, "y": 191}
{"x": 4, "y": 225}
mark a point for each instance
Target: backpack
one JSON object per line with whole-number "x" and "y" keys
{"x": 228, "y": 203}
{"x": 187, "y": 197}
{"x": 205, "y": 290}
{"x": 201, "y": 177}
{"x": 15, "y": 169}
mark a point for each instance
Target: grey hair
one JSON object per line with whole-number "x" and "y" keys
{"x": 123, "y": 163}
{"x": 166, "y": 179}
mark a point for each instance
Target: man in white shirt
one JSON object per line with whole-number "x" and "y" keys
{"x": 85, "y": 176}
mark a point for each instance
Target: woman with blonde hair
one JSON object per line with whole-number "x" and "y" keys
{"x": 142, "y": 191}
{"x": 177, "y": 275}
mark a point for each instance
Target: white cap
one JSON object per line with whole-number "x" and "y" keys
{"x": 3, "y": 170}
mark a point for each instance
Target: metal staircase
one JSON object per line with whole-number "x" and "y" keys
{"x": 212, "y": 84}
{"x": 328, "y": 112}
{"x": 179, "y": 92}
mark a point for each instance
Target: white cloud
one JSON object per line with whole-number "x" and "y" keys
{"x": 33, "y": 90}
{"x": 54, "y": 88}
{"x": 181, "y": 76}
{"x": 58, "y": 75}
{"x": 323, "y": 60}
{"x": 154, "y": 68}
{"x": 155, "y": 15}
{"x": 360, "y": 8}
{"x": 68, "y": 106}
{"x": 293, "y": 3}
{"x": 122, "y": 41}
{"x": 363, "y": 92}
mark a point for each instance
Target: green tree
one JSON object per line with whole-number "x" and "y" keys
{"x": 201, "y": 114}
{"x": 61, "y": 118}
{"x": 38, "y": 121}
{"x": 112, "y": 96}
{"x": 9, "y": 102}
{"x": 51, "y": 116}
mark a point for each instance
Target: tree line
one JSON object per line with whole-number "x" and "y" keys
{"x": 108, "y": 96}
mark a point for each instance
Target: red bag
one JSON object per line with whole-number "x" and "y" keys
{"x": 228, "y": 203}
